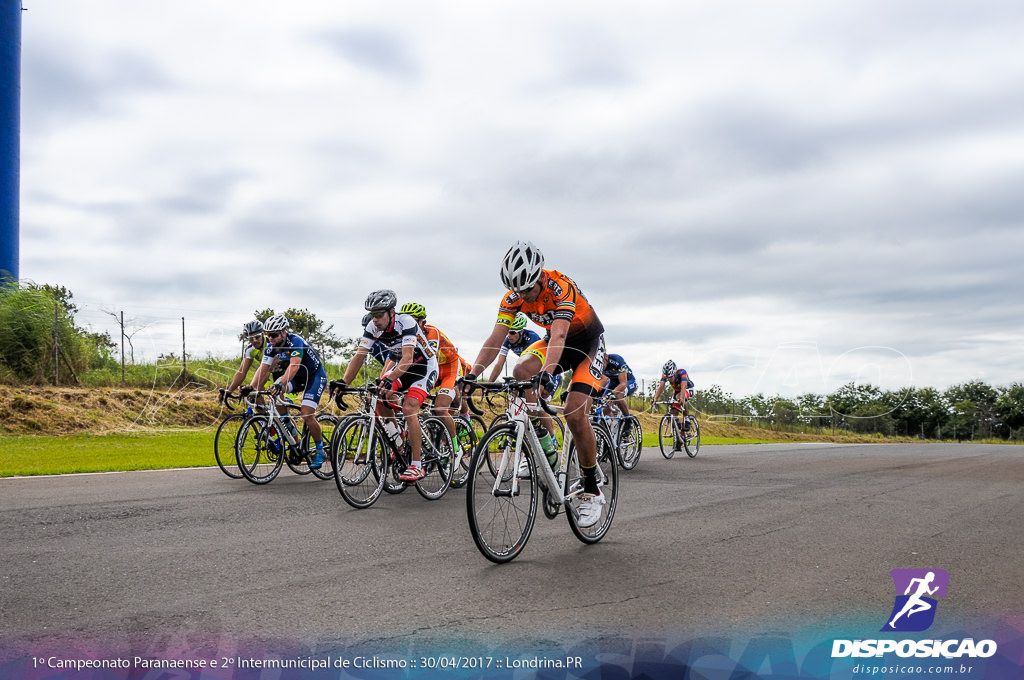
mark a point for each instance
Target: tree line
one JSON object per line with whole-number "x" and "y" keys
{"x": 969, "y": 411}
{"x": 41, "y": 343}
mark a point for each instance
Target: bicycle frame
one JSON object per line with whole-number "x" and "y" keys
{"x": 279, "y": 419}
{"x": 554, "y": 481}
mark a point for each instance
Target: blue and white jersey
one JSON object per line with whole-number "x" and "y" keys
{"x": 526, "y": 338}
{"x": 294, "y": 346}
{"x": 616, "y": 369}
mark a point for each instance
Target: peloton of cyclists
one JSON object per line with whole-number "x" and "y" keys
{"x": 303, "y": 372}
{"x": 682, "y": 387}
{"x": 575, "y": 342}
{"x": 411, "y": 369}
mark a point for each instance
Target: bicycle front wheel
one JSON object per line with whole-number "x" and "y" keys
{"x": 467, "y": 437}
{"x": 436, "y": 459}
{"x": 691, "y": 438}
{"x": 260, "y": 450}
{"x": 501, "y": 515}
{"x": 607, "y": 481}
{"x": 667, "y": 435}
{"x": 631, "y": 442}
{"x": 224, "y": 445}
{"x": 359, "y": 469}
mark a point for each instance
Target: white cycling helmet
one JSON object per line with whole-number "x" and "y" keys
{"x": 522, "y": 266}
{"x": 380, "y": 300}
{"x": 276, "y": 324}
{"x": 669, "y": 367}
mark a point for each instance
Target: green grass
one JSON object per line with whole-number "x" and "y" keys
{"x": 31, "y": 455}
{"x": 28, "y": 455}
{"x": 652, "y": 440}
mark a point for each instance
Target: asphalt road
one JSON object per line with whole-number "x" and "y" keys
{"x": 741, "y": 538}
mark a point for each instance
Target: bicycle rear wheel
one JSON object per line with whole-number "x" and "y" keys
{"x": 224, "y": 445}
{"x": 691, "y": 439}
{"x": 328, "y": 425}
{"x": 260, "y": 450}
{"x": 607, "y": 480}
{"x": 359, "y": 470}
{"x": 436, "y": 459}
{"x": 631, "y": 442}
{"x": 499, "y": 520}
{"x": 667, "y": 435}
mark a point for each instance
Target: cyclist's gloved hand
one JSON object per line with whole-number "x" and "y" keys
{"x": 389, "y": 384}
{"x": 276, "y": 389}
{"x": 245, "y": 390}
{"x": 337, "y": 386}
{"x": 468, "y": 381}
{"x": 546, "y": 381}
{"x": 220, "y": 395}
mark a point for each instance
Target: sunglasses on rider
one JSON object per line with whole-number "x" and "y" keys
{"x": 378, "y": 315}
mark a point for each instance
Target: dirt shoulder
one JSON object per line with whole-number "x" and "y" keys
{"x": 71, "y": 410}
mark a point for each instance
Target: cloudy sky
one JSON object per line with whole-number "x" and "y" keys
{"x": 782, "y": 196}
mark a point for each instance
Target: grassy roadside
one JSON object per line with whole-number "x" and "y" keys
{"x": 36, "y": 455}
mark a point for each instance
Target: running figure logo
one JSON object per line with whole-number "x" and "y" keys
{"x": 914, "y": 610}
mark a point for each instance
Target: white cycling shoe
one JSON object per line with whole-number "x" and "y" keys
{"x": 590, "y": 509}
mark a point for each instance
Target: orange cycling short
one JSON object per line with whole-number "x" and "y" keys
{"x": 584, "y": 357}
{"x": 450, "y": 373}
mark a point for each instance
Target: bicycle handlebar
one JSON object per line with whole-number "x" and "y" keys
{"x": 339, "y": 392}
{"x": 507, "y": 385}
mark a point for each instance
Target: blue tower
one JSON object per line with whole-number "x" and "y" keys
{"x": 10, "y": 129}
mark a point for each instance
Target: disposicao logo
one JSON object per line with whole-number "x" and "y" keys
{"x": 915, "y": 606}
{"x": 914, "y": 611}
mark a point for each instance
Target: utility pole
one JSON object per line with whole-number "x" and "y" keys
{"x": 10, "y": 132}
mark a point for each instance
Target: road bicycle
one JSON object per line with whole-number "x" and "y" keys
{"x": 266, "y": 441}
{"x": 673, "y": 435}
{"x": 366, "y": 458}
{"x": 502, "y": 497}
{"x": 625, "y": 431}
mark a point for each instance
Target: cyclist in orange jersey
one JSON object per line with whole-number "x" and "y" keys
{"x": 450, "y": 370}
{"x": 575, "y": 342}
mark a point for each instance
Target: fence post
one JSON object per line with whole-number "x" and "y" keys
{"x": 184, "y": 365}
{"x": 122, "y": 347}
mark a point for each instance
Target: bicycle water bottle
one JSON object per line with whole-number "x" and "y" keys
{"x": 394, "y": 433}
{"x": 547, "y": 443}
